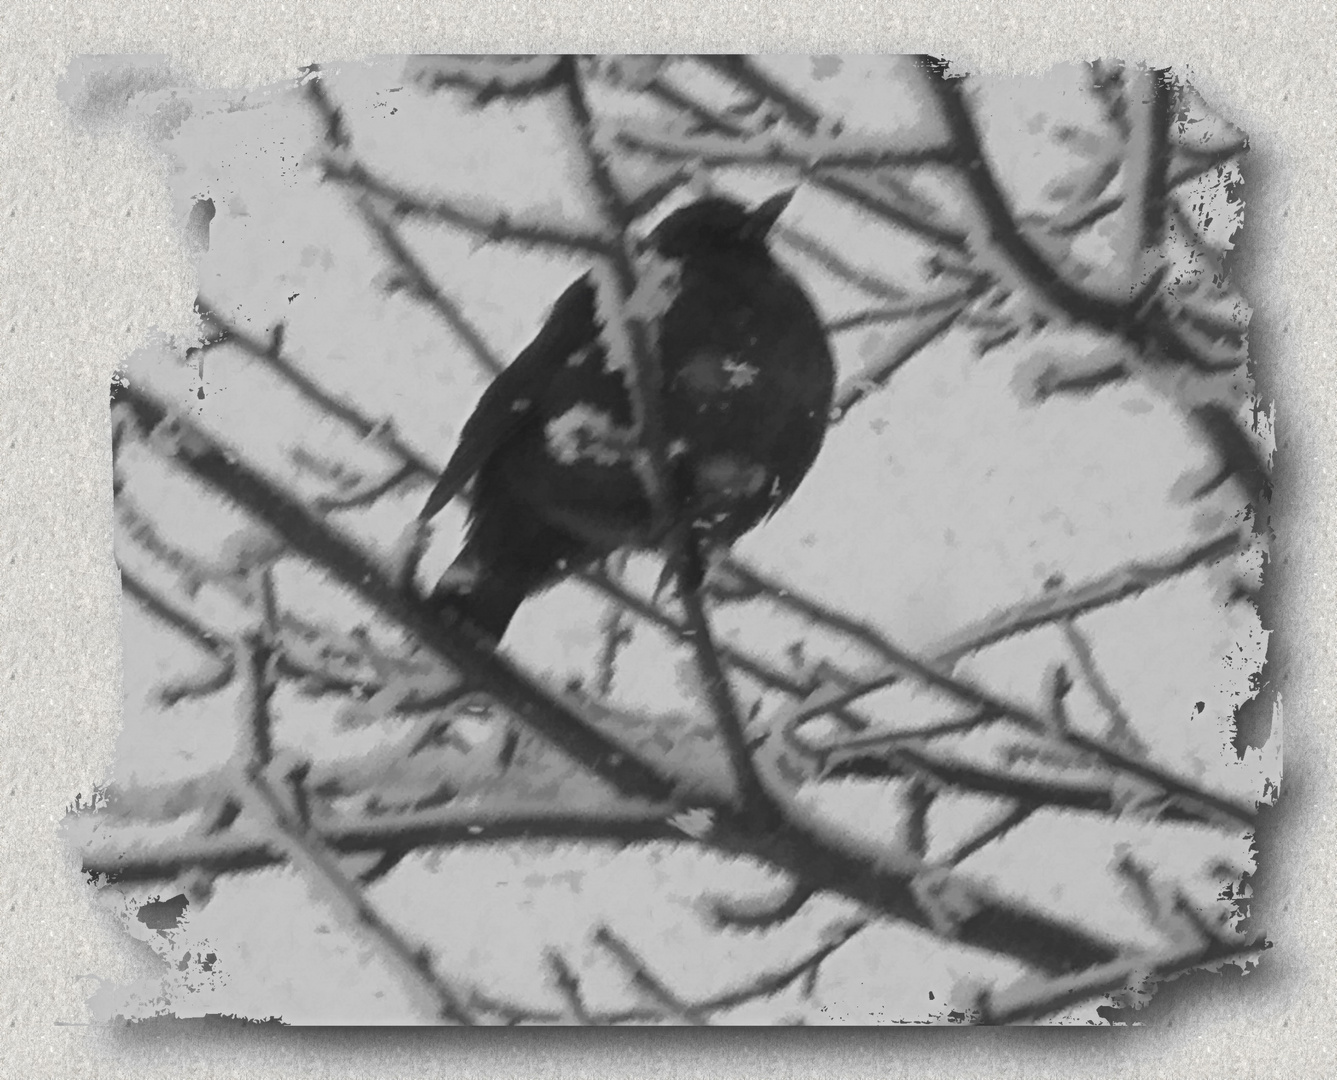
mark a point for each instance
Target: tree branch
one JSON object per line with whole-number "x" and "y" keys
{"x": 494, "y": 225}
{"x": 1033, "y": 999}
{"x": 314, "y": 539}
{"x": 292, "y": 834}
{"x": 764, "y": 149}
{"x": 645, "y": 981}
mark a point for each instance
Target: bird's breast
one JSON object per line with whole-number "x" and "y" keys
{"x": 746, "y": 385}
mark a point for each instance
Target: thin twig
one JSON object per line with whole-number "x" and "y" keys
{"x": 773, "y": 982}
{"x": 493, "y": 225}
{"x": 568, "y": 984}
{"x": 718, "y": 151}
{"x": 415, "y": 276}
{"x": 729, "y": 912}
{"x": 1004, "y": 232}
{"x": 645, "y": 980}
{"x": 412, "y": 271}
{"x": 237, "y": 851}
{"x": 1158, "y": 117}
{"x": 1120, "y": 726}
{"x": 872, "y": 316}
{"x": 1005, "y": 824}
{"x": 315, "y": 539}
{"x": 1201, "y": 162}
{"x": 368, "y": 493}
{"x": 834, "y": 263}
{"x": 875, "y": 375}
{"x": 1035, "y": 999}
{"x": 853, "y": 187}
{"x": 745, "y": 71}
{"x": 1067, "y": 602}
{"x": 177, "y": 618}
{"x": 616, "y": 632}
{"x": 538, "y": 76}
{"x": 270, "y": 352}
{"x": 304, "y": 849}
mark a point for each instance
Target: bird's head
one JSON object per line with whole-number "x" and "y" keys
{"x": 717, "y": 224}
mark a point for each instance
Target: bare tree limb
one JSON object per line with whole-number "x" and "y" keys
{"x": 1120, "y": 726}
{"x": 202, "y": 636}
{"x": 834, "y": 263}
{"x": 488, "y": 80}
{"x": 854, "y": 187}
{"x": 644, "y": 980}
{"x": 1069, "y": 601}
{"x": 493, "y": 225}
{"x": 292, "y": 833}
{"x": 1035, "y": 999}
{"x": 316, "y": 540}
{"x": 568, "y": 984}
{"x": 1005, "y": 824}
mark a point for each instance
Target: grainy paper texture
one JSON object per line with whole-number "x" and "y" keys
{"x": 62, "y": 634}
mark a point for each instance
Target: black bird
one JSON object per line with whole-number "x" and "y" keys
{"x": 747, "y": 387}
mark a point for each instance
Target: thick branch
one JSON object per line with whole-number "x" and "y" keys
{"x": 314, "y": 539}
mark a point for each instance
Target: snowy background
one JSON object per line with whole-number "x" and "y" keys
{"x": 1039, "y": 524}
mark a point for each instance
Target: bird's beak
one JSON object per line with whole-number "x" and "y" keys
{"x": 764, "y": 216}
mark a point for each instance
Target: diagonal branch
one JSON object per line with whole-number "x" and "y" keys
{"x": 314, "y": 539}
{"x": 876, "y": 375}
{"x": 292, "y": 835}
{"x": 810, "y": 853}
{"x": 183, "y": 622}
{"x": 854, "y": 187}
{"x": 745, "y": 71}
{"x": 1003, "y": 230}
{"x": 645, "y": 980}
{"x": 568, "y": 984}
{"x": 1067, "y": 602}
{"x": 1033, "y": 999}
{"x": 1120, "y": 726}
{"x": 426, "y": 470}
{"x": 494, "y": 225}
{"x": 936, "y": 672}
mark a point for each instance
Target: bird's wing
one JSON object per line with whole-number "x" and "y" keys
{"x": 515, "y": 394}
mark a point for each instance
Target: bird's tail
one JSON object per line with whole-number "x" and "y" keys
{"x": 487, "y": 596}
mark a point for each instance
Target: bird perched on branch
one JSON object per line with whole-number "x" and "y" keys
{"x": 746, "y": 383}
